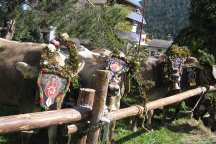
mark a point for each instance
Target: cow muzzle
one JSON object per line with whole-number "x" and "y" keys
{"x": 113, "y": 89}
{"x": 175, "y": 78}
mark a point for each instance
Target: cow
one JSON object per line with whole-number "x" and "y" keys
{"x": 15, "y": 89}
{"x": 200, "y": 104}
{"x": 169, "y": 79}
{"x": 106, "y": 61}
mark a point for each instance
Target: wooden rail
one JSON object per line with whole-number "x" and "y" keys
{"x": 65, "y": 116}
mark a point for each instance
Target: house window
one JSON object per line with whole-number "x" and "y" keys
{"x": 152, "y": 53}
{"x": 134, "y": 28}
{"x": 159, "y": 50}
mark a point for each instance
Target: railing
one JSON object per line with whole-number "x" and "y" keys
{"x": 82, "y": 114}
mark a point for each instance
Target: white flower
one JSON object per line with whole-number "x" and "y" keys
{"x": 65, "y": 36}
{"x": 45, "y": 62}
{"x": 51, "y": 47}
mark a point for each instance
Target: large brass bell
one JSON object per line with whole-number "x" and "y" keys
{"x": 175, "y": 86}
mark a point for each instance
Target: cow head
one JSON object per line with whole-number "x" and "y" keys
{"x": 200, "y": 74}
{"x": 117, "y": 66}
{"x": 173, "y": 69}
{"x": 32, "y": 72}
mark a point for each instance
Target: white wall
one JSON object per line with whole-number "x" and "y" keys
{"x": 156, "y": 51}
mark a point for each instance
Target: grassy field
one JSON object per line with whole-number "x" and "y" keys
{"x": 184, "y": 131}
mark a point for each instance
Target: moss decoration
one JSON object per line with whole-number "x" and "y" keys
{"x": 178, "y": 51}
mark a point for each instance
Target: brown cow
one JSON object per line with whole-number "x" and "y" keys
{"x": 154, "y": 71}
{"x": 116, "y": 82}
{"x": 15, "y": 89}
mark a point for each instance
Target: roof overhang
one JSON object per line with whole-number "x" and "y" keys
{"x": 133, "y": 37}
{"x": 136, "y": 17}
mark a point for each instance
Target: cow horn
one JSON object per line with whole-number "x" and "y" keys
{"x": 81, "y": 66}
{"x": 26, "y": 70}
{"x": 192, "y": 62}
{"x": 214, "y": 71}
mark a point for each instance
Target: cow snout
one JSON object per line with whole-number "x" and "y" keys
{"x": 114, "y": 89}
{"x": 175, "y": 77}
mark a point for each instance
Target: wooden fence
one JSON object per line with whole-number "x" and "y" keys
{"x": 82, "y": 113}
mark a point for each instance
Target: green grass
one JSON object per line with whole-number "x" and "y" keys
{"x": 160, "y": 135}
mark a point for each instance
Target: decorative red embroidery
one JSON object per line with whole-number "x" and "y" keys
{"x": 51, "y": 90}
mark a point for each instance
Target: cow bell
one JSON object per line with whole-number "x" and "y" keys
{"x": 175, "y": 86}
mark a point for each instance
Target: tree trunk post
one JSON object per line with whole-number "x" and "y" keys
{"x": 86, "y": 98}
{"x": 102, "y": 81}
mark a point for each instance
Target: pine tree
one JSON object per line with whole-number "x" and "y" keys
{"x": 98, "y": 24}
{"x": 200, "y": 34}
{"x": 166, "y": 17}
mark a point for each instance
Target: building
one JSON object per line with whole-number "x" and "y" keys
{"x": 135, "y": 18}
{"x": 158, "y": 47}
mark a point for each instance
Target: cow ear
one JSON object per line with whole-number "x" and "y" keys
{"x": 192, "y": 62}
{"x": 214, "y": 71}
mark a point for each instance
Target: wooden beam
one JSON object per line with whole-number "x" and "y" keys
{"x": 177, "y": 98}
{"x": 43, "y": 119}
{"x": 137, "y": 109}
{"x": 30, "y": 121}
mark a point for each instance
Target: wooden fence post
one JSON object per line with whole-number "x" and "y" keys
{"x": 35, "y": 120}
{"x": 86, "y": 97}
{"x": 102, "y": 81}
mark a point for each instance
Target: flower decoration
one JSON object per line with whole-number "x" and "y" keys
{"x": 55, "y": 42}
{"x": 48, "y": 61}
{"x": 51, "y": 47}
{"x": 65, "y": 37}
{"x": 49, "y": 65}
{"x": 45, "y": 62}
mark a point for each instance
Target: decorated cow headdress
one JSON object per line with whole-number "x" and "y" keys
{"x": 54, "y": 79}
{"x": 117, "y": 65}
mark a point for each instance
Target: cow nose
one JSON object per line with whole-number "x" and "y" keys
{"x": 114, "y": 88}
{"x": 173, "y": 76}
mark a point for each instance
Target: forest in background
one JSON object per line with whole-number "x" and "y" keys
{"x": 166, "y": 18}
{"x": 190, "y": 23}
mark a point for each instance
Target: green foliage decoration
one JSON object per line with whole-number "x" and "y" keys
{"x": 178, "y": 51}
{"x": 95, "y": 23}
{"x": 137, "y": 86}
{"x": 48, "y": 61}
